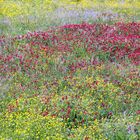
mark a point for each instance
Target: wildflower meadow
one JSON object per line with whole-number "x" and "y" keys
{"x": 69, "y": 69}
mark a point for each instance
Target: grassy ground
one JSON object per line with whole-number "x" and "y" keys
{"x": 69, "y": 73}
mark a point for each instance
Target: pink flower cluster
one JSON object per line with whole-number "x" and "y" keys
{"x": 119, "y": 41}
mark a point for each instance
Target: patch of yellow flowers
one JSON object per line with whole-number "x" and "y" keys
{"x": 20, "y": 125}
{"x": 13, "y": 8}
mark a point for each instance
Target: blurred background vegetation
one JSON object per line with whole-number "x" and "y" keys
{"x": 41, "y": 14}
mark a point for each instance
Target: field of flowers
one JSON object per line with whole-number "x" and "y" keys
{"x": 72, "y": 73}
{"x": 20, "y": 16}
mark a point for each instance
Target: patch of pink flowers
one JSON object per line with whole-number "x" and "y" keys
{"x": 119, "y": 40}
